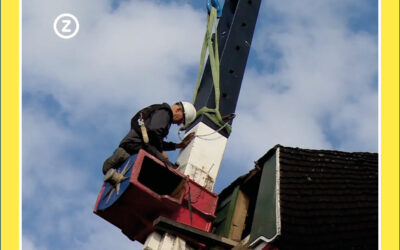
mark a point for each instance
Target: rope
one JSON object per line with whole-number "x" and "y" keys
{"x": 189, "y": 201}
{"x": 213, "y": 114}
{"x": 203, "y": 137}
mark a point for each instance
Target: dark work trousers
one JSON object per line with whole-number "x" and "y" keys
{"x": 126, "y": 150}
{"x": 120, "y": 155}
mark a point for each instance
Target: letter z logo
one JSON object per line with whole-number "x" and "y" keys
{"x": 65, "y": 29}
{"x": 66, "y": 26}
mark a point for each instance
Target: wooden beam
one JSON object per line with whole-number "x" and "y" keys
{"x": 239, "y": 216}
{"x": 195, "y": 234}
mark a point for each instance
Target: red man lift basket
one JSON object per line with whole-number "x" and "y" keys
{"x": 150, "y": 190}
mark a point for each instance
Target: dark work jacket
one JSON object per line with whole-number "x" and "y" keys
{"x": 157, "y": 124}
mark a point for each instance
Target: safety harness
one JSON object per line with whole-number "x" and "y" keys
{"x": 138, "y": 124}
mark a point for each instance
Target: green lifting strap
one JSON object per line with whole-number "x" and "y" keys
{"x": 213, "y": 114}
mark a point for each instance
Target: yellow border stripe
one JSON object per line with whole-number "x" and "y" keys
{"x": 9, "y": 124}
{"x": 390, "y": 124}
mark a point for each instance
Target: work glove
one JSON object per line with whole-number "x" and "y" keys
{"x": 160, "y": 155}
{"x": 167, "y": 162}
{"x": 165, "y": 155}
{"x": 186, "y": 140}
{"x": 170, "y": 164}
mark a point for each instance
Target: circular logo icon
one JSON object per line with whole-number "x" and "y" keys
{"x": 66, "y": 26}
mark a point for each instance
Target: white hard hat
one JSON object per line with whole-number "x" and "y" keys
{"x": 189, "y": 112}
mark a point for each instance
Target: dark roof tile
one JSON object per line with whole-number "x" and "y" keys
{"x": 328, "y": 198}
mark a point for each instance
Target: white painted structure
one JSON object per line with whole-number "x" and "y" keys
{"x": 201, "y": 161}
{"x": 156, "y": 241}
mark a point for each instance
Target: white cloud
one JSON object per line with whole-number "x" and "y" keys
{"x": 120, "y": 60}
{"x": 44, "y": 159}
{"x": 135, "y": 55}
{"x": 315, "y": 84}
{"x": 27, "y": 244}
{"x": 59, "y": 192}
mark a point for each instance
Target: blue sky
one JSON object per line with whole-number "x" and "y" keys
{"x": 311, "y": 81}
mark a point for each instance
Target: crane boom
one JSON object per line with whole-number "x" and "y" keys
{"x": 235, "y": 33}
